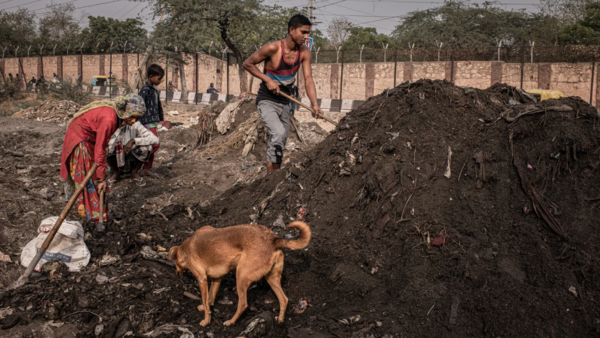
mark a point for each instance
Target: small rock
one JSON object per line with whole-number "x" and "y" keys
{"x": 279, "y": 223}
{"x": 101, "y": 279}
{"x": 98, "y": 330}
{"x": 573, "y": 290}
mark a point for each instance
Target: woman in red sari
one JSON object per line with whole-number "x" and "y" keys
{"x": 87, "y": 137}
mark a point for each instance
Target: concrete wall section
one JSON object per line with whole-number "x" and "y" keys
{"x": 70, "y": 67}
{"x": 473, "y": 74}
{"x": 384, "y": 77}
{"x": 354, "y": 81}
{"x": 429, "y": 70}
{"x": 50, "y": 66}
{"x": 572, "y": 78}
{"x": 30, "y": 67}
{"x": 91, "y": 68}
{"x": 11, "y": 66}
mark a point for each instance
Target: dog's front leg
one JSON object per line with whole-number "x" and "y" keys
{"x": 214, "y": 288}
{"x": 203, "y": 284}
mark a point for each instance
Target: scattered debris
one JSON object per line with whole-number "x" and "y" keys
{"x": 51, "y": 110}
{"x": 109, "y": 260}
{"x": 573, "y": 290}
{"x": 5, "y": 258}
{"x": 301, "y": 307}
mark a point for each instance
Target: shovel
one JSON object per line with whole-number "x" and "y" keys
{"x": 309, "y": 108}
{"x": 25, "y": 277}
{"x": 100, "y": 225}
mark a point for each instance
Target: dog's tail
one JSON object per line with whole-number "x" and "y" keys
{"x": 298, "y": 243}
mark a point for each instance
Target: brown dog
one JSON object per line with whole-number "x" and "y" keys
{"x": 253, "y": 250}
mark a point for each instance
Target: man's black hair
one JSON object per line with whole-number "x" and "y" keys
{"x": 155, "y": 70}
{"x": 297, "y": 21}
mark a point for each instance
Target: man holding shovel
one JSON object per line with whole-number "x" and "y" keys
{"x": 282, "y": 61}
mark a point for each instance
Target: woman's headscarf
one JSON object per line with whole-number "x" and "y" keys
{"x": 130, "y": 105}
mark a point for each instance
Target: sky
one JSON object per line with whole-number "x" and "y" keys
{"x": 381, "y": 14}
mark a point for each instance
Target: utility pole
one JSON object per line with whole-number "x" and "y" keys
{"x": 311, "y": 17}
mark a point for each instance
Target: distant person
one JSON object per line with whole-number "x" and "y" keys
{"x": 33, "y": 83}
{"x": 11, "y": 78}
{"x": 79, "y": 79}
{"x": 154, "y": 110}
{"x": 211, "y": 89}
{"x": 18, "y": 81}
{"x": 282, "y": 60}
{"x": 41, "y": 83}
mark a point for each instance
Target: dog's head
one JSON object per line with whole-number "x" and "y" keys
{"x": 178, "y": 256}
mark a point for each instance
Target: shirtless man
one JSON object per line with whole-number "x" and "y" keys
{"x": 282, "y": 61}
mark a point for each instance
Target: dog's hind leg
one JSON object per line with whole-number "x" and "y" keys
{"x": 214, "y": 288}
{"x": 274, "y": 280}
{"x": 242, "y": 284}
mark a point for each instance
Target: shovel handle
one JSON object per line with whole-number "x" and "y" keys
{"x": 102, "y": 207}
{"x": 54, "y": 230}
{"x": 307, "y": 107}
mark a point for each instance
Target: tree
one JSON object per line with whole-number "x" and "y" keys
{"x": 586, "y": 31}
{"x": 17, "y": 28}
{"x": 366, "y": 36}
{"x": 59, "y": 27}
{"x": 339, "y": 30}
{"x": 103, "y": 32}
{"x": 231, "y": 20}
{"x": 458, "y": 23}
{"x": 568, "y": 11}
{"x": 242, "y": 26}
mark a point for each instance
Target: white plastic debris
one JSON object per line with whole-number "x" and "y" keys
{"x": 67, "y": 246}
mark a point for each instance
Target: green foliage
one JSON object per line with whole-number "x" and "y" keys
{"x": 462, "y": 24}
{"x": 17, "y": 28}
{"x": 103, "y": 31}
{"x": 58, "y": 27}
{"x": 585, "y": 31}
{"x": 366, "y": 36}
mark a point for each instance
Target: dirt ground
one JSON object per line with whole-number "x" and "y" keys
{"x": 498, "y": 239}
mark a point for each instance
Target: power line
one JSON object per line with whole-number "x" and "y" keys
{"x": 5, "y": 2}
{"x": 22, "y": 5}
{"x": 100, "y": 4}
{"x": 129, "y": 11}
{"x": 52, "y": 5}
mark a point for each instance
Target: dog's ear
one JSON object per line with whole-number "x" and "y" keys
{"x": 173, "y": 253}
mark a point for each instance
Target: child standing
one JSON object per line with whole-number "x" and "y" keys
{"x": 154, "y": 111}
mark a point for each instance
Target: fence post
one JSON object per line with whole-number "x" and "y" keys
{"x": 395, "y": 65}
{"x": 227, "y": 77}
{"x": 593, "y": 73}
{"x": 196, "y": 75}
{"x": 166, "y": 77}
{"x": 522, "y": 64}
{"x": 342, "y": 77}
{"x": 452, "y": 66}
{"x": 109, "y": 75}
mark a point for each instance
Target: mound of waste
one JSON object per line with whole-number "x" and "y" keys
{"x": 51, "y": 110}
{"x": 441, "y": 210}
{"x": 436, "y": 210}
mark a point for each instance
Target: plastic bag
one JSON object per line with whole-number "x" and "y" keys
{"x": 67, "y": 246}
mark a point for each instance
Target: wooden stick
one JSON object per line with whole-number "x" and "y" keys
{"x": 309, "y": 108}
{"x": 25, "y": 277}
